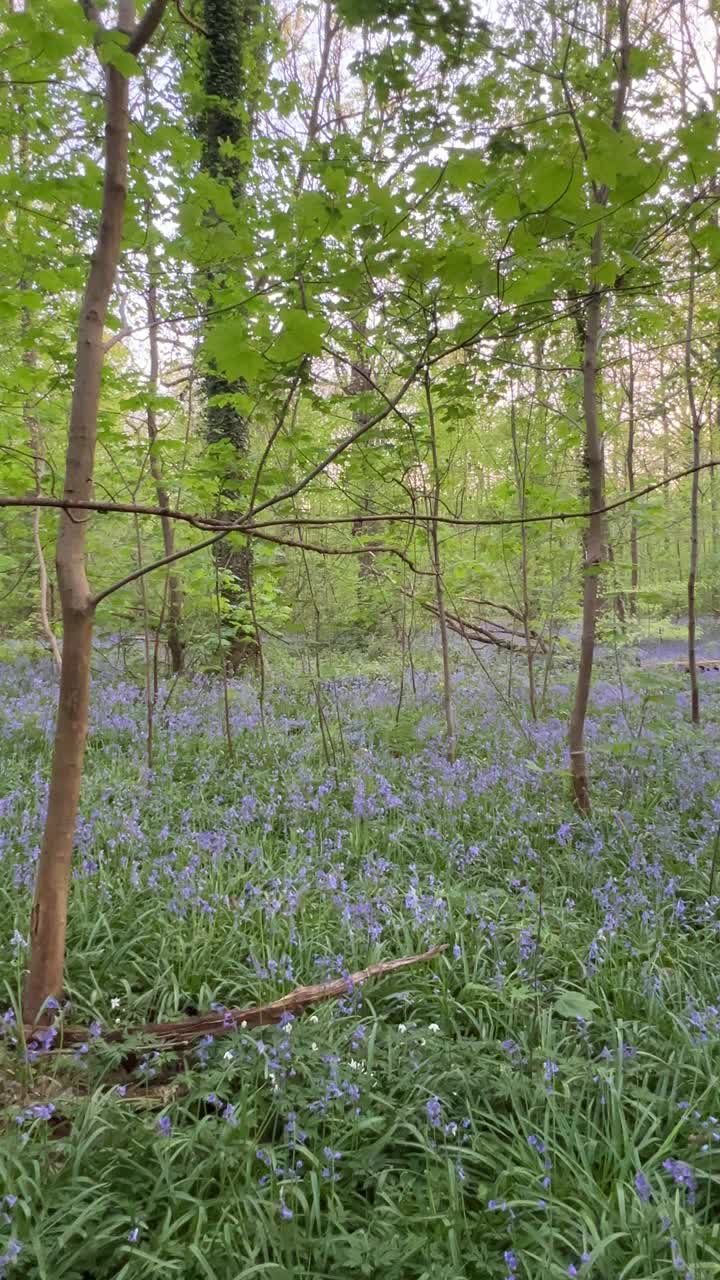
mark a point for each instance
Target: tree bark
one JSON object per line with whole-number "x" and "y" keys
{"x": 520, "y": 468}
{"x": 48, "y": 922}
{"x": 174, "y": 597}
{"x": 593, "y": 464}
{"x": 593, "y": 459}
{"x": 630, "y": 461}
{"x": 696, "y": 426}
{"x": 434, "y": 504}
{"x": 36, "y": 448}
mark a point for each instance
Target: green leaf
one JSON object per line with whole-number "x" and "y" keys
{"x": 529, "y": 283}
{"x": 699, "y": 140}
{"x": 301, "y": 335}
{"x": 573, "y": 1004}
{"x": 466, "y": 168}
{"x": 114, "y": 55}
{"x": 228, "y": 350}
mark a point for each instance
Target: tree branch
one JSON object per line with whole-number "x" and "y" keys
{"x": 147, "y": 26}
{"x": 249, "y": 527}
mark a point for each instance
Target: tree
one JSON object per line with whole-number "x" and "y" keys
{"x": 117, "y": 50}
{"x": 234, "y": 39}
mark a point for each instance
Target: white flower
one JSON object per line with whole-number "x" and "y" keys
{"x": 433, "y": 1026}
{"x": 115, "y": 1002}
{"x": 313, "y": 1018}
{"x": 243, "y": 1025}
{"x": 228, "y": 1055}
{"x": 402, "y": 1028}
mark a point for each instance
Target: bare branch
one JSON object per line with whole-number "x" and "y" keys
{"x": 252, "y": 528}
{"x": 147, "y": 26}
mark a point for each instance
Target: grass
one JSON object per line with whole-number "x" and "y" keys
{"x": 539, "y": 1102}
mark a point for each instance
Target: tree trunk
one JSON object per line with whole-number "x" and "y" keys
{"x": 520, "y": 468}
{"x": 696, "y": 425}
{"x": 437, "y": 572}
{"x": 35, "y": 439}
{"x": 174, "y": 597}
{"x": 48, "y": 920}
{"x": 36, "y": 448}
{"x": 593, "y": 541}
{"x": 231, "y": 28}
{"x": 593, "y": 460}
{"x": 630, "y": 461}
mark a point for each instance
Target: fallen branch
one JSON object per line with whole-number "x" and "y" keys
{"x": 179, "y": 1035}
{"x": 485, "y": 631}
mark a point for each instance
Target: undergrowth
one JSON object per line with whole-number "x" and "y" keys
{"x": 541, "y": 1101}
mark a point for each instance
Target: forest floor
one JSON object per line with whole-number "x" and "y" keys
{"x": 540, "y": 1101}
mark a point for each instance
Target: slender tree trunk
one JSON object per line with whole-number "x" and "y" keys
{"x": 358, "y": 383}
{"x": 437, "y": 572}
{"x": 619, "y": 598}
{"x": 593, "y": 464}
{"x": 593, "y": 460}
{"x": 35, "y": 439}
{"x": 630, "y": 462}
{"x": 174, "y": 598}
{"x": 36, "y": 448}
{"x": 520, "y": 468}
{"x": 714, "y": 543}
{"x": 48, "y": 920}
{"x": 696, "y": 425}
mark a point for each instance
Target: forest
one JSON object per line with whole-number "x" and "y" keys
{"x": 360, "y": 639}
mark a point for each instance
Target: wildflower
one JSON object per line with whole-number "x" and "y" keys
{"x": 133, "y": 1235}
{"x": 285, "y": 1211}
{"x": 643, "y": 1188}
{"x": 434, "y": 1111}
{"x": 164, "y": 1124}
{"x": 115, "y": 1004}
{"x": 11, "y": 1254}
{"x": 433, "y": 1026}
{"x": 402, "y": 1028}
{"x": 683, "y": 1176}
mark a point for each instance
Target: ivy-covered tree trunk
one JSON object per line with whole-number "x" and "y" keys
{"x": 233, "y": 41}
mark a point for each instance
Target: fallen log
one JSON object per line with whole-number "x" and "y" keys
{"x": 179, "y": 1035}
{"x": 487, "y": 631}
{"x": 702, "y": 664}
